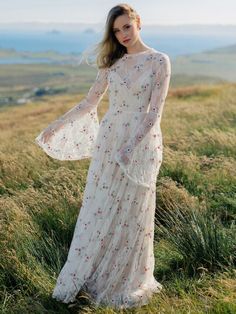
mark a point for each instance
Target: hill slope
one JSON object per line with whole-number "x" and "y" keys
{"x": 219, "y": 63}
{"x": 41, "y": 197}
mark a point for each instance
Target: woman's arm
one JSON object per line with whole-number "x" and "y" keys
{"x": 159, "y": 93}
{"x": 94, "y": 96}
{"x": 72, "y": 135}
{"x": 92, "y": 99}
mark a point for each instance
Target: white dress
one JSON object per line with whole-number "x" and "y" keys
{"x": 111, "y": 254}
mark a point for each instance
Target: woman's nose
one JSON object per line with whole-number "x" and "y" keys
{"x": 124, "y": 33}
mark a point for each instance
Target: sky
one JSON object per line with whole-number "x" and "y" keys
{"x": 165, "y": 12}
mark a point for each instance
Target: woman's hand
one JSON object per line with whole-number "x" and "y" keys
{"x": 124, "y": 154}
{"x": 49, "y": 132}
{"x": 124, "y": 158}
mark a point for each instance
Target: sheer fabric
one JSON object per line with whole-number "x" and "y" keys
{"x": 138, "y": 85}
{"x": 77, "y": 135}
{"x": 111, "y": 253}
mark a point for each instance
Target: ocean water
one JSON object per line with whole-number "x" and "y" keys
{"x": 77, "y": 42}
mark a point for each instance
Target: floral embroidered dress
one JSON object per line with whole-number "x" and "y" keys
{"x": 111, "y": 254}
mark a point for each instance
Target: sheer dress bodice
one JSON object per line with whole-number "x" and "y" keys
{"x": 137, "y": 86}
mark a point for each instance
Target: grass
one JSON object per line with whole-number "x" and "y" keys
{"x": 216, "y": 63}
{"x": 195, "y": 209}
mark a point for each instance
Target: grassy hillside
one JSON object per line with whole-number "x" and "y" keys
{"x": 213, "y": 64}
{"x": 49, "y": 55}
{"x": 21, "y": 83}
{"x": 195, "y": 238}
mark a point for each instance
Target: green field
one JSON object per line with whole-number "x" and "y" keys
{"x": 195, "y": 238}
{"x": 33, "y": 81}
{"x": 214, "y": 65}
{"x": 23, "y": 83}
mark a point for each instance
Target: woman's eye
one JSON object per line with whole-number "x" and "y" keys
{"x": 128, "y": 26}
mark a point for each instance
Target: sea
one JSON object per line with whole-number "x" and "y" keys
{"x": 76, "y": 42}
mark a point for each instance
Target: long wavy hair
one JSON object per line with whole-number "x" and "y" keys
{"x": 109, "y": 50}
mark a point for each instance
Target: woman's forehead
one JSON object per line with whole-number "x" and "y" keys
{"x": 121, "y": 20}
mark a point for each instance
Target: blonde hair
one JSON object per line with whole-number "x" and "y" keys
{"x": 109, "y": 49}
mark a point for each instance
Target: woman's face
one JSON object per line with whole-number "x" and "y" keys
{"x": 125, "y": 28}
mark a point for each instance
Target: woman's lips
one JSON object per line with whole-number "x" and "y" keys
{"x": 125, "y": 41}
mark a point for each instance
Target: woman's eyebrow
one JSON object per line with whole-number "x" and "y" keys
{"x": 118, "y": 28}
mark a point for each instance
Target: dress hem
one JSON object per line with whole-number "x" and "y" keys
{"x": 54, "y": 156}
{"x": 136, "y": 299}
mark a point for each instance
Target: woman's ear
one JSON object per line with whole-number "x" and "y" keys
{"x": 138, "y": 22}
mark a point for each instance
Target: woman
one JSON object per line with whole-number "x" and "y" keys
{"x": 111, "y": 253}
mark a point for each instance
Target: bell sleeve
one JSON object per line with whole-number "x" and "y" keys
{"x": 75, "y": 132}
{"x": 140, "y": 157}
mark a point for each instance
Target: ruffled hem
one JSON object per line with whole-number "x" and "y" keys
{"x": 57, "y": 156}
{"x": 75, "y": 140}
{"x": 137, "y": 298}
{"x": 143, "y": 166}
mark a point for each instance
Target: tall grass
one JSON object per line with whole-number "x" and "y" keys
{"x": 195, "y": 208}
{"x": 201, "y": 240}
